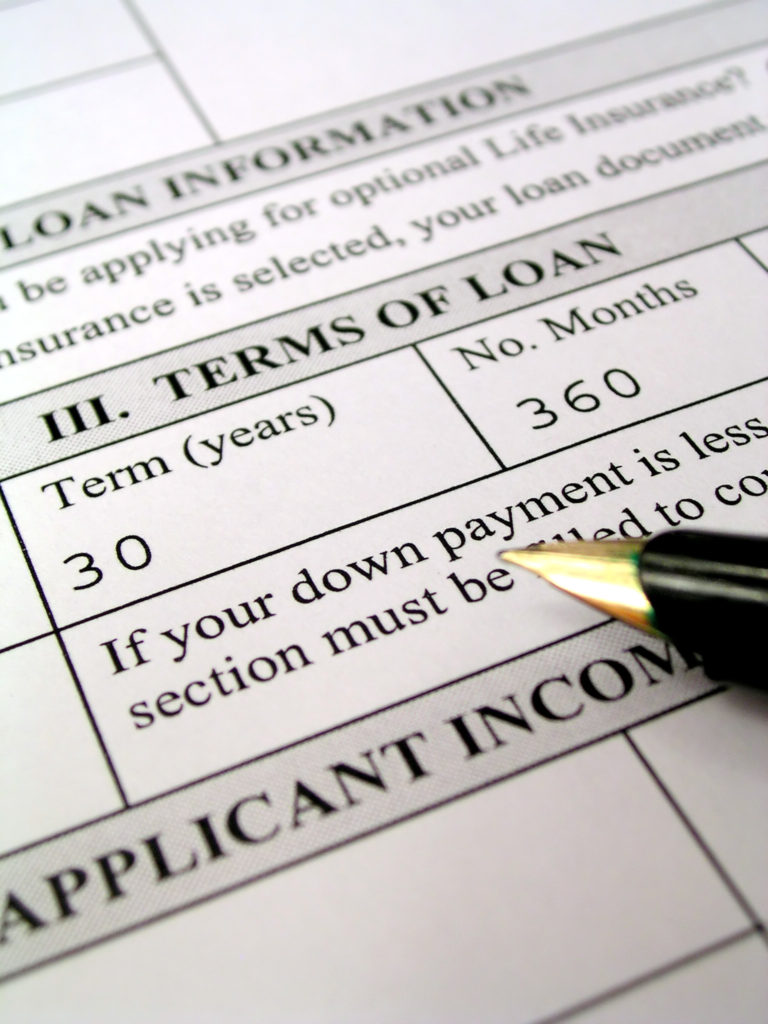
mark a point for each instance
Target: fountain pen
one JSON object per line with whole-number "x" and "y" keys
{"x": 705, "y": 592}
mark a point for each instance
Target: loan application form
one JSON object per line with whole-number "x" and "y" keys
{"x": 307, "y": 311}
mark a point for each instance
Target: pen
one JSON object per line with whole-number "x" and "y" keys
{"x": 706, "y": 592}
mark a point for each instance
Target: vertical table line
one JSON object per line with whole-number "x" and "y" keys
{"x": 745, "y": 248}
{"x": 705, "y": 848}
{"x": 181, "y": 85}
{"x": 456, "y": 403}
{"x": 64, "y": 652}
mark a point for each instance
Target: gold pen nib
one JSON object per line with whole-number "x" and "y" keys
{"x": 605, "y": 574}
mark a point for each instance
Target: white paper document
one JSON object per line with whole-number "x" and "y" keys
{"x": 306, "y": 313}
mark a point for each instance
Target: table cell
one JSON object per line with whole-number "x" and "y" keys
{"x": 53, "y": 774}
{"x": 713, "y": 759}
{"x": 44, "y": 42}
{"x": 614, "y": 353}
{"x": 142, "y": 515}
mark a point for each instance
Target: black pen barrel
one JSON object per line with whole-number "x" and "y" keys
{"x": 709, "y": 593}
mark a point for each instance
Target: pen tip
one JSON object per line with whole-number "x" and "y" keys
{"x": 604, "y": 574}
{"x": 518, "y": 556}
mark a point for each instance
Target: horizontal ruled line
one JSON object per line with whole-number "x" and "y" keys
{"x": 93, "y": 74}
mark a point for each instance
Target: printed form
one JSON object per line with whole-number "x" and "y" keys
{"x": 307, "y": 312}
